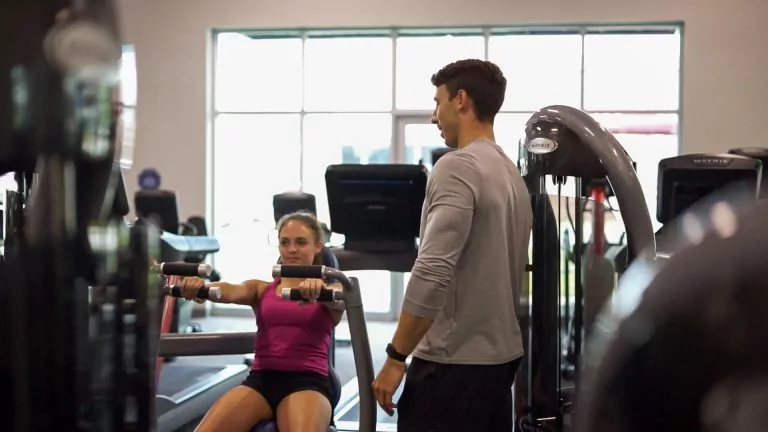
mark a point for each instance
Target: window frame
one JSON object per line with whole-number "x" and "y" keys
{"x": 397, "y": 149}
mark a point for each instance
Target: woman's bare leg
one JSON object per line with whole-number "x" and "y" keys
{"x": 237, "y": 411}
{"x": 304, "y": 411}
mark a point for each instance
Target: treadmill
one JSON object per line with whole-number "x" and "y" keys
{"x": 378, "y": 210}
{"x": 185, "y": 392}
{"x": 202, "y": 344}
{"x": 691, "y": 181}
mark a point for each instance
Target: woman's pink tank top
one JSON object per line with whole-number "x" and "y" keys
{"x": 291, "y": 336}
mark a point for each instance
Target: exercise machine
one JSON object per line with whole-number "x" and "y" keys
{"x": 296, "y": 201}
{"x": 160, "y": 207}
{"x": 691, "y": 188}
{"x": 685, "y": 180}
{"x": 565, "y": 142}
{"x": 677, "y": 351}
{"x": 76, "y": 264}
{"x": 181, "y": 269}
{"x": 196, "y": 226}
{"x": 759, "y": 153}
{"x": 440, "y": 152}
{"x": 241, "y": 343}
{"x": 378, "y": 210}
{"x": 185, "y": 391}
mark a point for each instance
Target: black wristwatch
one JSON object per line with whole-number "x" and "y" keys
{"x": 394, "y": 355}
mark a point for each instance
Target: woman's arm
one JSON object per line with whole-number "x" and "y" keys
{"x": 246, "y": 293}
{"x": 336, "y": 307}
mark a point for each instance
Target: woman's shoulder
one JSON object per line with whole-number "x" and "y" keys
{"x": 261, "y": 285}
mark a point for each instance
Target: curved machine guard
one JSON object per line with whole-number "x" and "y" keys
{"x": 656, "y": 339}
{"x": 564, "y": 141}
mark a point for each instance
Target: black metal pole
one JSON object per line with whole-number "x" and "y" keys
{"x": 543, "y": 371}
{"x": 145, "y": 243}
{"x": 578, "y": 307}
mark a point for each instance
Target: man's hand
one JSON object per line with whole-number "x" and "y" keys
{"x": 386, "y": 383}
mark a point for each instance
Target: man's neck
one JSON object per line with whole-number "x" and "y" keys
{"x": 478, "y": 132}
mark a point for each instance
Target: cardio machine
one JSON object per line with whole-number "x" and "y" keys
{"x": 378, "y": 210}
{"x": 686, "y": 180}
{"x": 651, "y": 365}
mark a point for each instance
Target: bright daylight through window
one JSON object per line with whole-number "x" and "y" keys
{"x": 286, "y": 106}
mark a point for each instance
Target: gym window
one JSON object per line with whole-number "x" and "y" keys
{"x": 129, "y": 95}
{"x": 288, "y": 103}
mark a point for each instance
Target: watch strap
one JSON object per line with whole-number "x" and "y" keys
{"x": 395, "y": 355}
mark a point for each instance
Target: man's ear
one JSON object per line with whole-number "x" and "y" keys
{"x": 462, "y": 99}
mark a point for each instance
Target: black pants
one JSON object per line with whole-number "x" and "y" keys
{"x": 446, "y": 398}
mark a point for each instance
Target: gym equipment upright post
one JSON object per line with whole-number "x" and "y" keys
{"x": 566, "y": 142}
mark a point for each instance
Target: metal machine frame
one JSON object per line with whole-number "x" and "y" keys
{"x": 565, "y": 142}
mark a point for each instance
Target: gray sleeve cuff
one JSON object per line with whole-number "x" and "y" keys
{"x": 418, "y": 310}
{"x": 421, "y": 295}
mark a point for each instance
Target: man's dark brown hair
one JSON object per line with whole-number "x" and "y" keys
{"x": 481, "y": 80}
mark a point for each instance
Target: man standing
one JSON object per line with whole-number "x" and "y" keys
{"x": 459, "y": 317}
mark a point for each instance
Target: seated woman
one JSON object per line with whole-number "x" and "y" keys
{"x": 289, "y": 381}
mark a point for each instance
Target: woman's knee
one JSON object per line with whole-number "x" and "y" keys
{"x": 302, "y": 411}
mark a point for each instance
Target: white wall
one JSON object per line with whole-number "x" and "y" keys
{"x": 725, "y": 89}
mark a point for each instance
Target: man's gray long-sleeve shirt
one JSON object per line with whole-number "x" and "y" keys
{"x": 475, "y": 228}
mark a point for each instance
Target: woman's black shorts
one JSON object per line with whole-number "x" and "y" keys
{"x": 276, "y": 385}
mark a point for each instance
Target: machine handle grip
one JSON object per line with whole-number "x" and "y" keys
{"x": 185, "y": 269}
{"x": 326, "y": 295}
{"x": 205, "y": 293}
{"x": 298, "y": 271}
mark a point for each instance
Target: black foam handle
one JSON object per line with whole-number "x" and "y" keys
{"x": 302, "y": 271}
{"x": 204, "y": 293}
{"x": 181, "y": 269}
{"x": 326, "y": 295}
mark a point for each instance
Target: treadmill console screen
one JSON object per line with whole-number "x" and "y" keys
{"x": 687, "y": 194}
{"x": 376, "y": 202}
{"x": 686, "y": 180}
{"x": 159, "y": 206}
